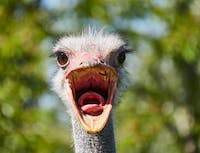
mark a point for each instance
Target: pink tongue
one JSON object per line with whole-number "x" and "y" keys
{"x": 91, "y": 103}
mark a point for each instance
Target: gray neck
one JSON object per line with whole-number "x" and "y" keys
{"x": 103, "y": 142}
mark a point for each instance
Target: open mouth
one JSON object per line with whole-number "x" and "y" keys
{"x": 92, "y": 93}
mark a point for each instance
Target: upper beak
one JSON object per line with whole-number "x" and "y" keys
{"x": 92, "y": 91}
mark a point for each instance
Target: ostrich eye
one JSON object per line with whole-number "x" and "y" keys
{"x": 121, "y": 57}
{"x": 62, "y": 58}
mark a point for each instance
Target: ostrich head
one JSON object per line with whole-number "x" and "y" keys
{"x": 89, "y": 76}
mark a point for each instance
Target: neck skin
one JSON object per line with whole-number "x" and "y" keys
{"x": 102, "y": 142}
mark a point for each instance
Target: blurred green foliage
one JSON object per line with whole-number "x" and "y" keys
{"x": 160, "y": 112}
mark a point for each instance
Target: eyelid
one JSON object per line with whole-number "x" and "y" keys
{"x": 125, "y": 48}
{"x": 60, "y": 51}
{"x": 54, "y": 55}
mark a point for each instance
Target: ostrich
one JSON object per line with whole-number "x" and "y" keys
{"x": 89, "y": 80}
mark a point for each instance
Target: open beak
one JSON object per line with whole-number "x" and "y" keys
{"x": 92, "y": 91}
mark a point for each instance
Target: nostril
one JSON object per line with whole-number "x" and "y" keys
{"x": 101, "y": 61}
{"x": 81, "y": 63}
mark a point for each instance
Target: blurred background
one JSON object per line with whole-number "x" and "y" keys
{"x": 160, "y": 111}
